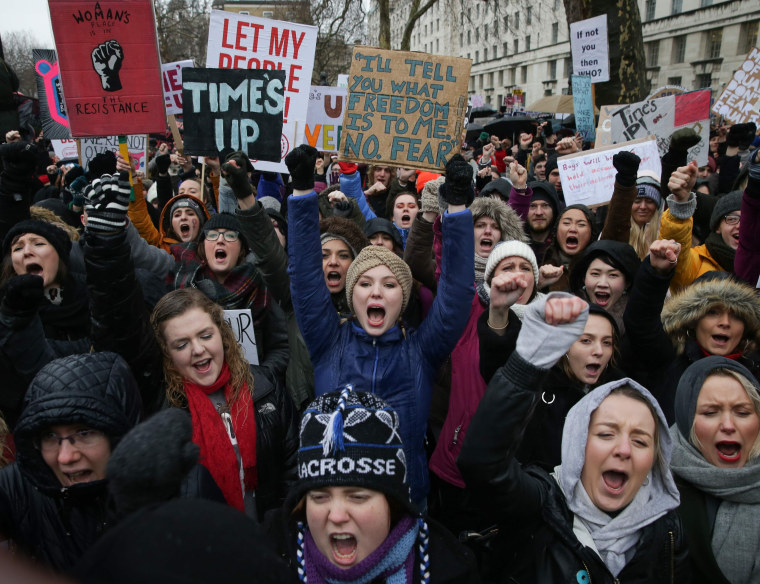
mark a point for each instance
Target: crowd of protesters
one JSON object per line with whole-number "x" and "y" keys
{"x": 458, "y": 377}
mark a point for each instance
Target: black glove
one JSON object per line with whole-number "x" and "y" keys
{"x": 342, "y": 209}
{"x": 107, "y": 203}
{"x": 300, "y": 162}
{"x": 627, "y": 166}
{"x": 458, "y": 188}
{"x": 237, "y": 179}
{"x": 163, "y": 162}
{"x": 684, "y": 139}
{"x": 23, "y": 295}
{"x": 741, "y": 135}
{"x": 19, "y": 158}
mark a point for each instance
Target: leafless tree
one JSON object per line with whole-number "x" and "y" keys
{"x": 17, "y": 46}
{"x": 182, "y": 29}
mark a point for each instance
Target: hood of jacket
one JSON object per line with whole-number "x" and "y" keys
{"x": 95, "y": 389}
{"x": 682, "y": 312}
{"x": 165, "y": 221}
{"x": 507, "y": 219}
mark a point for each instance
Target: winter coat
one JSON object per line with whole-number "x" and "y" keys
{"x": 747, "y": 260}
{"x": 399, "y": 365}
{"x": 536, "y": 542}
{"x": 51, "y": 523}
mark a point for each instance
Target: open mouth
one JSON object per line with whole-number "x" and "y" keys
{"x": 334, "y": 279}
{"x": 571, "y": 242}
{"x": 486, "y": 244}
{"x": 602, "y": 298}
{"x": 406, "y": 218}
{"x": 34, "y": 269}
{"x": 81, "y": 476}
{"x": 202, "y": 366}
{"x": 614, "y": 480}
{"x": 729, "y": 451}
{"x": 344, "y": 548}
{"x": 593, "y": 369}
{"x": 375, "y": 315}
{"x": 184, "y": 229}
{"x": 720, "y": 340}
{"x": 220, "y": 255}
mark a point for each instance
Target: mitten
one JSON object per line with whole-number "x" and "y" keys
{"x": 429, "y": 202}
{"x": 741, "y": 135}
{"x": 543, "y": 344}
{"x": 23, "y": 296}
{"x": 300, "y": 162}
{"x": 458, "y": 188}
{"x": 342, "y": 209}
{"x": 684, "y": 139}
{"x": 237, "y": 179}
{"x": 163, "y": 161}
{"x": 107, "y": 201}
{"x": 77, "y": 189}
{"x": 627, "y": 166}
{"x": 19, "y": 159}
{"x": 347, "y": 167}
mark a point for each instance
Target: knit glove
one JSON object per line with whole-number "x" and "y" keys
{"x": 77, "y": 189}
{"x": 19, "y": 158}
{"x": 741, "y": 135}
{"x": 300, "y": 162}
{"x": 684, "y": 139}
{"x": 627, "y": 166}
{"x": 23, "y": 296}
{"x": 107, "y": 201}
{"x": 342, "y": 209}
{"x": 163, "y": 161}
{"x": 237, "y": 179}
{"x": 543, "y": 344}
{"x": 348, "y": 167}
{"x": 458, "y": 188}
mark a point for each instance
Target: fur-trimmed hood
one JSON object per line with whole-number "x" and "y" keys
{"x": 682, "y": 312}
{"x": 509, "y": 221}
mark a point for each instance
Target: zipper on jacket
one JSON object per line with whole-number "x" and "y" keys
{"x": 585, "y": 567}
{"x": 672, "y": 557}
{"x": 456, "y": 434}
{"x": 374, "y": 367}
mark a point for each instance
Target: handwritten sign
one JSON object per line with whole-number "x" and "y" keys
{"x": 55, "y": 120}
{"x": 660, "y": 116}
{"x": 237, "y": 109}
{"x": 236, "y": 41}
{"x": 588, "y": 177}
{"x": 172, "y": 77}
{"x": 583, "y": 105}
{"x": 740, "y": 100}
{"x": 406, "y": 109}
{"x": 590, "y": 48}
{"x": 65, "y": 149}
{"x": 325, "y": 117}
{"x": 137, "y": 144}
{"x": 108, "y": 61}
{"x": 241, "y": 323}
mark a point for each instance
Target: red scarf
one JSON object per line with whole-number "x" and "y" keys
{"x": 733, "y": 356}
{"x": 217, "y": 452}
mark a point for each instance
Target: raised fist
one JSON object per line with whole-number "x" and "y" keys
{"x": 106, "y": 60}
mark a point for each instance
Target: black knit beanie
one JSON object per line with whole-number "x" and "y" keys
{"x": 226, "y": 221}
{"x": 56, "y": 236}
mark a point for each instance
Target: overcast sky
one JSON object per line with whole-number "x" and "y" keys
{"x": 28, "y": 16}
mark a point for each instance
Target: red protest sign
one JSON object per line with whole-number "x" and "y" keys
{"x": 108, "y": 58}
{"x": 692, "y": 107}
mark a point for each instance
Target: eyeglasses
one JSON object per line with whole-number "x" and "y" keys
{"x": 732, "y": 219}
{"x": 213, "y": 235}
{"x": 86, "y": 438}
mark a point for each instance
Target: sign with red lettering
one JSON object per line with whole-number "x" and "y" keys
{"x": 325, "y": 117}
{"x": 172, "y": 74}
{"x": 109, "y": 67}
{"x": 246, "y": 42}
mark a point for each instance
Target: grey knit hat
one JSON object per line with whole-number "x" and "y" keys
{"x": 725, "y": 205}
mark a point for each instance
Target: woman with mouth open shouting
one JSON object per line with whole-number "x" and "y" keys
{"x": 373, "y": 349}
{"x": 607, "y": 512}
{"x": 717, "y": 470}
{"x": 574, "y": 233}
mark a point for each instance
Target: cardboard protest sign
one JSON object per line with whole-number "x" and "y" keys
{"x": 55, "y": 120}
{"x": 325, "y": 117}
{"x": 65, "y": 149}
{"x": 108, "y": 61}
{"x": 740, "y": 100}
{"x": 137, "y": 144}
{"x": 237, "y": 109}
{"x": 241, "y": 323}
{"x": 590, "y": 48}
{"x": 660, "y": 116}
{"x": 236, "y": 41}
{"x": 583, "y": 104}
{"x": 406, "y": 109}
{"x": 588, "y": 177}
{"x": 172, "y": 76}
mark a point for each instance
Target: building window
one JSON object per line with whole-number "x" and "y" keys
{"x": 506, "y": 23}
{"x": 517, "y": 20}
{"x": 553, "y": 69}
{"x": 568, "y": 66}
{"x": 477, "y": 11}
{"x": 653, "y": 53}
{"x": 477, "y": 56}
{"x": 485, "y": 54}
{"x": 714, "y": 41}
{"x": 679, "y": 49}
{"x": 501, "y": 77}
{"x": 437, "y": 47}
{"x": 555, "y": 33}
{"x": 512, "y": 76}
{"x": 461, "y": 39}
{"x": 649, "y": 8}
{"x": 437, "y": 25}
{"x": 469, "y": 37}
{"x": 529, "y": 16}
{"x": 706, "y": 3}
{"x": 674, "y": 81}
{"x": 527, "y": 43}
{"x": 477, "y": 35}
{"x": 485, "y": 33}
{"x": 490, "y": 80}
{"x": 556, "y": 5}
{"x": 517, "y": 46}
{"x": 677, "y": 7}
{"x": 504, "y": 49}
{"x": 703, "y": 80}
{"x": 496, "y": 26}
{"x": 495, "y": 51}
{"x": 524, "y": 74}
{"x": 748, "y": 37}
{"x": 547, "y": 93}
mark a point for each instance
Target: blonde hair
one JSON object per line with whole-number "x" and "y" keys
{"x": 177, "y": 303}
{"x": 641, "y": 238}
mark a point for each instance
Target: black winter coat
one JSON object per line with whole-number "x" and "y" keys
{"x": 536, "y": 542}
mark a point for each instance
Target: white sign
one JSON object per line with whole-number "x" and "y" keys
{"x": 343, "y": 80}
{"x": 325, "y": 117}
{"x": 590, "y": 48}
{"x": 588, "y": 177}
{"x": 137, "y": 144}
{"x": 241, "y": 323}
{"x": 65, "y": 149}
{"x": 740, "y": 100}
{"x": 172, "y": 76}
{"x": 247, "y": 42}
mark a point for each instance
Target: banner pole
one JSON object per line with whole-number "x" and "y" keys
{"x": 124, "y": 151}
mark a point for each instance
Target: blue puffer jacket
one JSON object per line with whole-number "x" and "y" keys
{"x": 399, "y": 365}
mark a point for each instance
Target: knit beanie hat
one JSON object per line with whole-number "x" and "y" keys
{"x": 346, "y": 230}
{"x": 648, "y": 184}
{"x": 371, "y": 257}
{"x": 226, "y": 221}
{"x": 382, "y": 225}
{"x": 328, "y": 236}
{"x": 352, "y": 438}
{"x": 507, "y": 249}
{"x": 56, "y": 236}
{"x": 725, "y": 205}
{"x": 184, "y": 201}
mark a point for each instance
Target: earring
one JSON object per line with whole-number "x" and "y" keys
{"x": 646, "y": 481}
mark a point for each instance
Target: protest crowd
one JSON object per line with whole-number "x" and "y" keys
{"x": 352, "y": 371}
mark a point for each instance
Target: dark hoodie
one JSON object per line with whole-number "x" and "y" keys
{"x": 56, "y": 524}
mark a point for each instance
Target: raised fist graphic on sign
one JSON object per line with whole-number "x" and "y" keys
{"x": 106, "y": 60}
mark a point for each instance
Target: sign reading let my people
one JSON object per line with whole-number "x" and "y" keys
{"x": 404, "y": 109}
